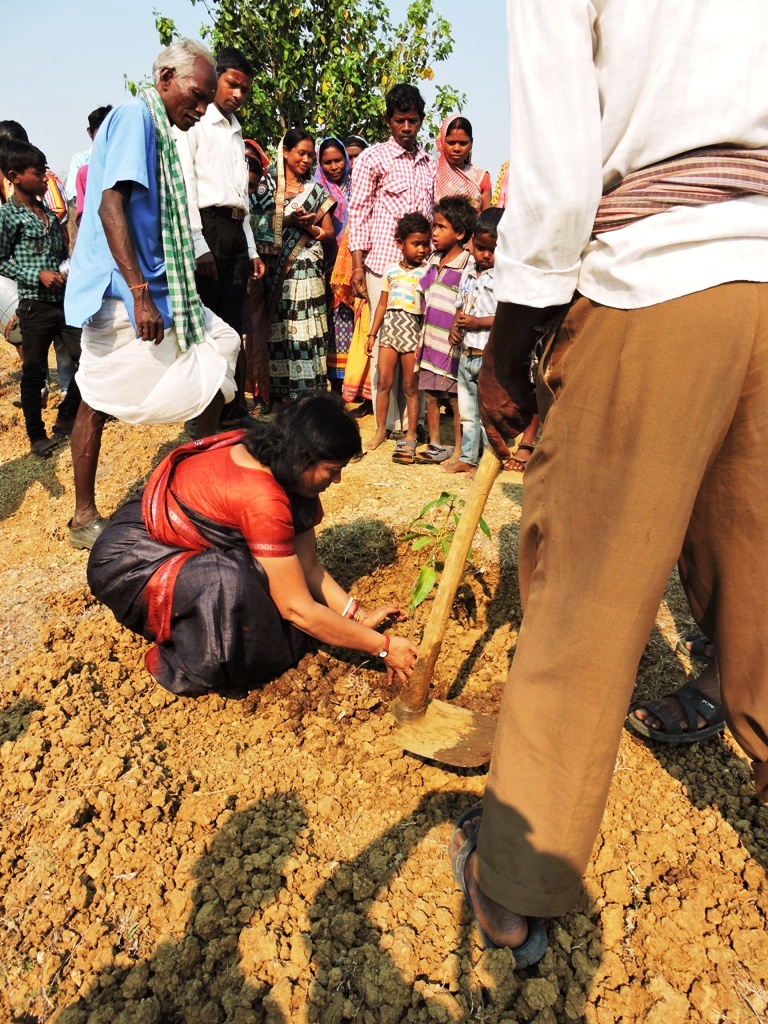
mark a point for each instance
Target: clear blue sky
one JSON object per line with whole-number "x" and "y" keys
{"x": 52, "y": 88}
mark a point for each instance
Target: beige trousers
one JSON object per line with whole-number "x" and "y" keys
{"x": 655, "y": 442}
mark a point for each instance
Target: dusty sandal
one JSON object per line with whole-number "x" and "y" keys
{"x": 698, "y": 649}
{"x": 515, "y": 457}
{"x": 44, "y": 448}
{"x": 693, "y": 703}
{"x": 535, "y": 946}
{"x": 433, "y": 454}
{"x": 405, "y": 451}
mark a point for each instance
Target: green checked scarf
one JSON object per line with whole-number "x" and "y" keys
{"x": 179, "y": 250}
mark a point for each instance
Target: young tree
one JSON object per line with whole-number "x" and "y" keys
{"x": 327, "y": 64}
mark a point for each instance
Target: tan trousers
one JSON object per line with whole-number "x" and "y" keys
{"x": 655, "y": 442}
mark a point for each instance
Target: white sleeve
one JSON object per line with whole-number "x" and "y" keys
{"x": 555, "y": 168}
{"x": 185, "y": 143}
{"x": 250, "y": 241}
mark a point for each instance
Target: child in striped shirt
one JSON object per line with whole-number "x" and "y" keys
{"x": 437, "y": 359}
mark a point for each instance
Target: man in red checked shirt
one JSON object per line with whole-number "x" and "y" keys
{"x": 388, "y": 180}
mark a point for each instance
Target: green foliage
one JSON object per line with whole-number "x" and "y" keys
{"x": 432, "y": 532}
{"x": 325, "y": 65}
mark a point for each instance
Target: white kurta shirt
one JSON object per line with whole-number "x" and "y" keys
{"x": 602, "y": 88}
{"x": 212, "y": 156}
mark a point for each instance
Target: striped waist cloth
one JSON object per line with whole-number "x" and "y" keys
{"x": 711, "y": 175}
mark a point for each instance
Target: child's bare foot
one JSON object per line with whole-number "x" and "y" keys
{"x": 375, "y": 441}
{"x": 457, "y": 466}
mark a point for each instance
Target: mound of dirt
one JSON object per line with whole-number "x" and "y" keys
{"x": 278, "y": 858}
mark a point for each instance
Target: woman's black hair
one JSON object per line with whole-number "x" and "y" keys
{"x": 402, "y": 98}
{"x": 97, "y": 117}
{"x": 294, "y": 136}
{"x": 12, "y": 131}
{"x": 412, "y": 224}
{"x": 460, "y": 123}
{"x": 315, "y": 428}
{"x": 488, "y": 222}
{"x": 356, "y": 140}
{"x": 460, "y": 214}
{"x": 331, "y": 144}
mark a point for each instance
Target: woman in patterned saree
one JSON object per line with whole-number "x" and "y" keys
{"x": 334, "y": 175}
{"x": 456, "y": 174}
{"x": 301, "y": 215}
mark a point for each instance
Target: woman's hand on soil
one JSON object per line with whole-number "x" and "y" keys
{"x": 401, "y": 658}
{"x": 378, "y": 615}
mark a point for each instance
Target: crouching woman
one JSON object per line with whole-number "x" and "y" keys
{"x": 216, "y": 561}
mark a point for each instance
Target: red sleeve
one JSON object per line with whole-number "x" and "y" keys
{"x": 486, "y": 184}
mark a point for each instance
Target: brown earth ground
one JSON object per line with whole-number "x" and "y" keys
{"x": 279, "y": 858}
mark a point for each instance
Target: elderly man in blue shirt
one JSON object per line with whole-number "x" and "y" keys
{"x": 152, "y": 353}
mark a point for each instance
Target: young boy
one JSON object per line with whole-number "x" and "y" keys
{"x": 453, "y": 222}
{"x": 471, "y": 328}
{"x": 31, "y": 249}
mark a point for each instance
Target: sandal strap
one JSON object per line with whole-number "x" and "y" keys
{"x": 694, "y": 703}
{"x": 524, "y": 446}
{"x": 710, "y": 710}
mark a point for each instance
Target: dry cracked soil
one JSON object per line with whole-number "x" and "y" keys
{"x": 278, "y": 858}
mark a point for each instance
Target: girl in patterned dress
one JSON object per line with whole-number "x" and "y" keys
{"x": 398, "y": 318}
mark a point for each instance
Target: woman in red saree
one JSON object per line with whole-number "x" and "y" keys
{"x": 216, "y": 561}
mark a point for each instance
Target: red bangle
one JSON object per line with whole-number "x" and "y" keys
{"x": 353, "y": 610}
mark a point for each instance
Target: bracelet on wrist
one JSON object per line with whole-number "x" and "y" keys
{"x": 348, "y": 605}
{"x": 385, "y": 648}
{"x": 138, "y": 287}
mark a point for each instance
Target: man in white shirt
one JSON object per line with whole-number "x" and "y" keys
{"x": 216, "y": 175}
{"x": 655, "y": 390}
{"x": 95, "y": 120}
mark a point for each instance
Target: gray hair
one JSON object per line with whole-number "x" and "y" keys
{"x": 180, "y": 56}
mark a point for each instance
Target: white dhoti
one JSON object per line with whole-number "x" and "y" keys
{"x": 138, "y": 381}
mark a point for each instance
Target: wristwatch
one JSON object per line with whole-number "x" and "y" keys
{"x": 385, "y": 649}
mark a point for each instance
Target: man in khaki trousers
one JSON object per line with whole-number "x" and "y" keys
{"x": 655, "y": 393}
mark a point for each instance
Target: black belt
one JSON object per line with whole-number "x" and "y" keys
{"x": 225, "y": 211}
{"x": 473, "y": 351}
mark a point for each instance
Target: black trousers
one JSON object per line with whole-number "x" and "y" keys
{"x": 227, "y": 295}
{"x": 40, "y": 322}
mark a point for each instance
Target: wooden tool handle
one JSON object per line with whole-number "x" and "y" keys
{"x": 413, "y": 697}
